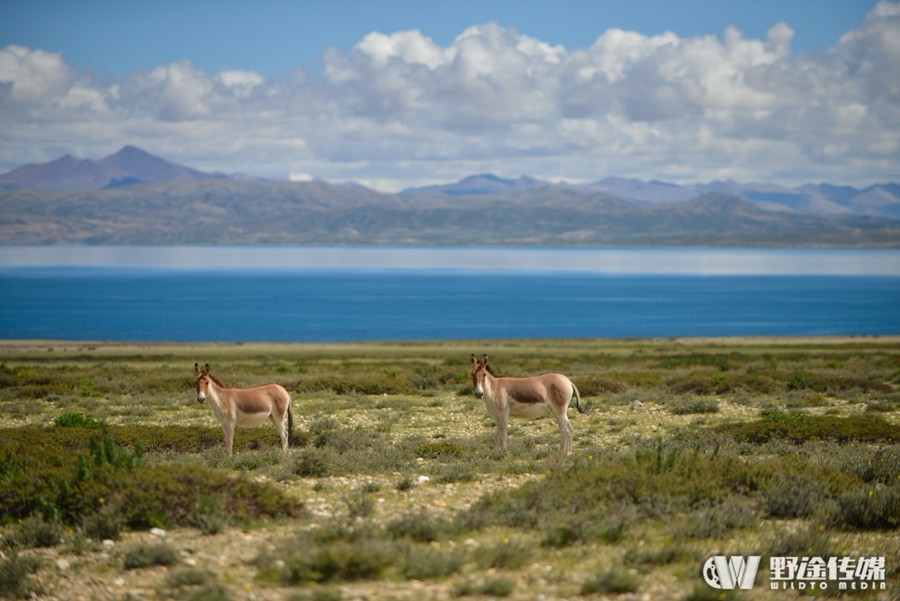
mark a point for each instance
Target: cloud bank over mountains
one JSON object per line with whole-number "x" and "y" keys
{"x": 399, "y": 110}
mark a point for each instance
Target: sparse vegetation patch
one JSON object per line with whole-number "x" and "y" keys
{"x": 395, "y": 486}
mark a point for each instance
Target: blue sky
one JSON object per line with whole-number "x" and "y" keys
{"x": 406, "y": 93}
{"x": 273, "y": 37}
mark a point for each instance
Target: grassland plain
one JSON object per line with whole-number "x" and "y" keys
{"x": 114, "y": 483}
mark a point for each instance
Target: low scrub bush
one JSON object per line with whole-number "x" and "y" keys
{"x": 493, "y": 587}
{"x": 15, "y": 576}
{"x": 796, "y": 495}
{"x": 193, "y": 585}
{"x": 591, "y": 387}
{"x": 693, "y": 406}
{"x": 345, "y": 551}
{"x": 310, "y": 463}
{"x": 78, "y": 420}
{"x": 717, "y": 520}
{"x": 610, "y": 582}
{"x": 656, "y": 556}
{"x": 107, "y": 523}
{"x": 868, "y": 508}
{"x": 811, "y": 541}
{"x": 506, "y": 554}
{"x": 696, "y": 494}
{"x": 418, "y": 526}
{"x": 307, "y": 562}
{"x": 368, "y": 383}
{"x": 429, "y": 562}
{"x": 35, "y": 531}
{"x": 440, "y": 449}
{"x": 801, "y": 427}
{"x": 149, "y": 555}
{"x": 61, "y": 483}
{"x": 834, "y": 383}
{"x": 718, "y": 384}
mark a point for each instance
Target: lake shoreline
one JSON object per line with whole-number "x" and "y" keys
{"x": 40, "y": 344}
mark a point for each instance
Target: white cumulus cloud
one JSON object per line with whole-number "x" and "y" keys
{"x": 400, "y": 108}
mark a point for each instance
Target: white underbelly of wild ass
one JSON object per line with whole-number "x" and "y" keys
{"x": 527, "y": 410}
{"x": 251, "y": 420}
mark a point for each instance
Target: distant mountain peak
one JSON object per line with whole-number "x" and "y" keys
{"x": 480, "y": 184}
{"x": 128, "y": 166}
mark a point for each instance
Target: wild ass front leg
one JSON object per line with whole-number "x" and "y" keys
{"x": 502, "y": 427}
{"x": 229, "y": 438}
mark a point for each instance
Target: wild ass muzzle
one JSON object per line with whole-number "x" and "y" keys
{"x": 245, "y": 407}
{"x": 526, "y": 398}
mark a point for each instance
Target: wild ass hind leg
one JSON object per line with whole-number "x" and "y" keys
{"x": 282, "y": 429}
{"x": 566, "y": 431}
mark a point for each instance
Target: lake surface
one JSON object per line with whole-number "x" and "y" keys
{"x": 308, "y": 294}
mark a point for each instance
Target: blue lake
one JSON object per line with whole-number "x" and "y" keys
{"x": 360, "y": 294}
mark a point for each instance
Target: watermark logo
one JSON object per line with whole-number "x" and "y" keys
{"x": 845, "y": 574}
{"x": 849, "y": 573}
{"x": 729, "y": 573}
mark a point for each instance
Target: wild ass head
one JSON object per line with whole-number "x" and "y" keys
{"x": 201, "y": 382}
{"x": 479, "y": 370}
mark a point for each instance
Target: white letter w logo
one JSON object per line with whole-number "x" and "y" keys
{"x": 728, "y": 573}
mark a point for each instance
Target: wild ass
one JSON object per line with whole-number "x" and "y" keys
{"x": 245, "y": 407}
{"x": 527, "y": 398}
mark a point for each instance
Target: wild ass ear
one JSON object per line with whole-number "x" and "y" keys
{"x": 197, "y": 369}
{"x": 484, "y": 360}
{"x": 207, "y": 369}
{"x": 474, "y": 360}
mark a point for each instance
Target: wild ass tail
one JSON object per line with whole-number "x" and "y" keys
{"x": 290, "y": 425}
{"x": 581, "y": 409}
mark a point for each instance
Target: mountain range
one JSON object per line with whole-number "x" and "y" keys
{"x": 134, "y": 197}
{"x": 128, "y": 166}
{"x": 877, "y": 200}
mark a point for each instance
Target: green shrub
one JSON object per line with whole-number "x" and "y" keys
{"x": 659, "y": 556}
{"x": 35, "y": 531}
{"x": 78, "y": 420}
{"x": 796, "y": 495}
{"x": 704, "y": 592}
{"x": 811, "y": 541}
{"x": 496, "y": 587}
{"x": 508, "y": 554}
{"x": 428, "y": 562}
{"x": 800, "y": 427}
{"x": 692, "y": 406}
{"x": 340, "y": 560}
{"x": 15, "y": 575}
{"x": 359, "y": 505}
{"x": 148, "y": 555}
{"x": 834, "y": 383}
{"x": 317, "y": 594}
{"x": 868, "y": 508}
{"x": 208, "y": 515}
{"x": 310, "y": 462}
{"x": 66, "y": 485}
{"x": 440, "y": 449}
{"x": 610, "y": 582}
{"x": 717, "y": 520}
{"x": 192, "y": 584}
{"x": 107, "y": 523}
{"x": 418, "y": 526}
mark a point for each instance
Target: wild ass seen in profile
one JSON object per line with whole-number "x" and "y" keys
{"x": 245, "y": 407}
{"x": 526, "y": 398}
